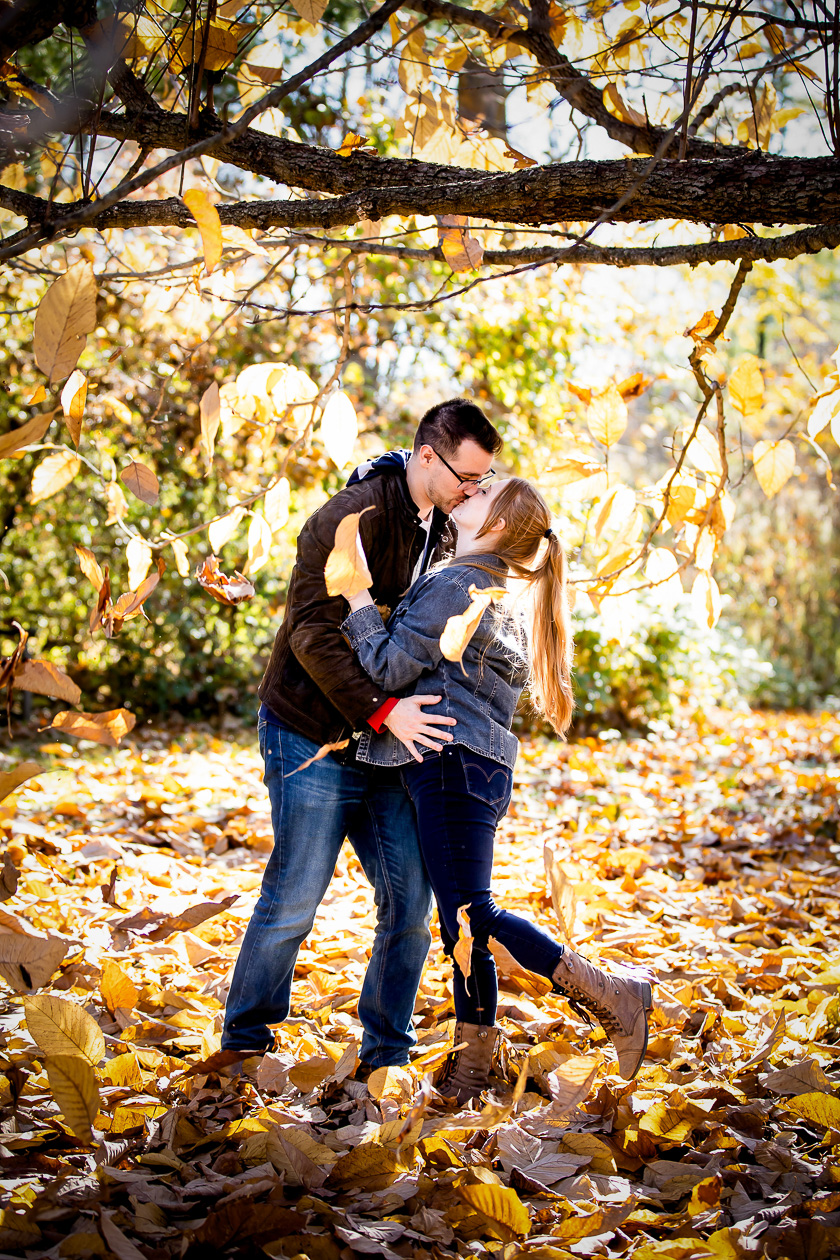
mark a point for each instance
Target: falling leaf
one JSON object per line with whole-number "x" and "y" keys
{"x": 461, "y": 627}
{"x": 322, "y": 752}
{"x": 25, "y": 435}
{"x": 276, "y": 504}
{"x": 563, "y": 892}
{"x": 65, "y": 316}
{"x": 775, "y": 463}
{"x": 73, "y": 397}
{"x": 606, "y": 416}
{"x": 53, "y": 474}
{"x": 339, "y": 428}
{"x": 141, "y": 481}
{"x": 462, "y": 952}
{"x": 209, "y": 225}
{"x": 210, "y": 410}
{"x": 10, "y": 780}
{"x": 746, "y": 386}
{"x": 60, "y": 1027}
{"x": 102, "y": 728}
{"x": 346, "y": 572}
{"x": 235, "y": 590}
{"x": 46, "y": 679}
{"x": 74, "y": 1088}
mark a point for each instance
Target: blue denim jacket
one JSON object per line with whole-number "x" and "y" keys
{"x": 405, "y": 659}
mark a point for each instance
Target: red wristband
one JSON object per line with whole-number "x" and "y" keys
{"x": 377, "y": 719}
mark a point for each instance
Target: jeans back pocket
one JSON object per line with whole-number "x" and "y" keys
{"x": 489, "y": 781}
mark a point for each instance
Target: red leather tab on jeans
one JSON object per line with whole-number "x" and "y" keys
{"x": 377, "y": 719}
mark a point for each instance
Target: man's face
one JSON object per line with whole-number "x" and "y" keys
{"x": 440, "y": 483}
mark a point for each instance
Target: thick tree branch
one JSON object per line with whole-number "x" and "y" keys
{"x": 27, "y": 22}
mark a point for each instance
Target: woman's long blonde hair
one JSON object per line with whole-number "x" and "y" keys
{"x": 527, "y": 522}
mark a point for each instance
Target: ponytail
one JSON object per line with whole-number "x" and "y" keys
{"x": 527, "y": 521}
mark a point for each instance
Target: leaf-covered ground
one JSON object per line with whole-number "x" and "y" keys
{"x": 710, "y": 858}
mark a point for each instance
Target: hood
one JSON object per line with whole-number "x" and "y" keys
{"x": 391, "y": 461}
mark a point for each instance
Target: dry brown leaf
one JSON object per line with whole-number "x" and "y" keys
{"x": 60, "y": 1027}
{"x": 65, "y": 316}
{"x": 74, "y": 1088}
{"x": 141, "y": 481}
{"x": 570, "y": 1083}
{"x": 461, "y": 250}
{"x": 235, "y": 590}
{"x": 102, "y": 728}
{"x": 29, "y": 962}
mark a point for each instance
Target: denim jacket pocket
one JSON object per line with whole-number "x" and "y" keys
{"x": 489, "y": 781}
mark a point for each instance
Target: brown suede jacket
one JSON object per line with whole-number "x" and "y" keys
{"x": 314, "y": 682}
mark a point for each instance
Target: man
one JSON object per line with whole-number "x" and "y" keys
{"x": 314, "y": 692}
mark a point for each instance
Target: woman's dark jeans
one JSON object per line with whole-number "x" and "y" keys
{"x": 460, "y": 796}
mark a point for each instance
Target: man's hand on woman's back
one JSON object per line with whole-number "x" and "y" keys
{"x": 411, "y": 725}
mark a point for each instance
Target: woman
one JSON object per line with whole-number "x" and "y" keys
{"x": 462, "y": 790}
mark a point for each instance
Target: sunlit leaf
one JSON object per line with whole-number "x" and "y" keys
{"x": 461, "y": 627}
{"x": 25, "y": 435}
{"x": 209, "y": 225}
{"x": 139, "y": 555}
{"x": 606, "y": 416}
{"x": 11, "y": 780}
{"x": 774, "y": 464}
{"x": 141, "y": 481}
{"x": 500, "y": 1207}
{"x": 102, "y": 728}
{"x": 221, "y": 531}
{"x": 53, "y": 474}
{"x": 346, "y": 572}
{"x": 65, "y": 316}
{"x": 210, "y": 411}
{"x": 276, "y": 504}
{"x": 705, "y": 598}
{"x": 116, "y": 988}
{"x": 746, "y": 386}
{"x": 74, "y": 1088}
{"x": 460, "y": 249}
{"x": 60, "y": 1027}
{"x": 235, "y": 590}
{"x": 46, "y": 679}
{"x": 29, "y": 962}
{"x": 339, "y": 428}
{"x": 259, "y": 543}
{"x": 73, "y": 397}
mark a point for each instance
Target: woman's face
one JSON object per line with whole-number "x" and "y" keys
{"x": 473, "y": 512}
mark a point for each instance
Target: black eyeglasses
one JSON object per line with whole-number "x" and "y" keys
{"x": 466, "y": 481}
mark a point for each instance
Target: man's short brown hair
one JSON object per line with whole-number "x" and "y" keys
{"x": 446, "y": 425}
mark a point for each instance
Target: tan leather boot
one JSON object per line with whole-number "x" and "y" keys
{"x": 467, "y": 1072}
{"x": 620, "y": 1005}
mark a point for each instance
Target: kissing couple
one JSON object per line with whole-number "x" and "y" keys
{"x": 428, "y": 770}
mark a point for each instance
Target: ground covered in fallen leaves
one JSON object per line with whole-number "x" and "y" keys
{"x": 710, "y": 857}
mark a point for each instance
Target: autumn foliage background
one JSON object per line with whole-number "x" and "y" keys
{"x": 185, "y": 381}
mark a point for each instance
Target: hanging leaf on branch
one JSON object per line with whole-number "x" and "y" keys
{"x": 66, "y": 314}
{"x": 73, "y": 397}
{"x": 26, "y": 434}
{"x": 209, "y": 225}
{"x": 53, "y": 474}
{"x": 774, "y": 464}
{"x": 141, "y": 481}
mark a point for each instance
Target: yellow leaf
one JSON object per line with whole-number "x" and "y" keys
{"x": 705, "y": 550}
{"x": 102, "y": 728}
{"x": 705, "y": 597}
{"x": 346, "y": 572}
{"x": 141, "y": 481}
{"x": 616, "y": 510}
{"x": 391, "y": 1082}
{"x": 460, "y": 628}
{"x": 601, "y": 1157}
{"x": 60, "y": 1027}
{"x": 10, "y": 780}
{"x": 116, "y": 988}
{"x": 138, "y": 553}
{"x": 29, "y": 962}
{"x": 124, "y": 1070}
{"x": 53, "y": 474}
{"x": 353, "y": 144}
{"x": 210, "y": 410}
{"x": 500, "y": 1207}
{"x": 568, "y": 471}
{"x": 339, "y": 428}
{"x": 73, "y": 403}
{"x": 222, "y": 530}
{"x": 662, "y": 571}
{"x": 276, "y": 504}
{"x": 89, "y": 566}
{"x": 618, "y": 107}
{"x": 367, "y": 1167}
{"x": 821, "y": 1109}
{"x": 209, "y": 225}
{"x": 461, "y": 250}
{"x": 757, "y": 129}
{"x": 705, "y": 1195}
{"x": 607, "y": 416}
{"x": 75, "y": 1090}
{"x": 666, "y": 1123}
{"x": 774, "y": 464}
{"x": 116, "y": 501}
{"x": 702, "y": 450}
{"x": 259, "y": 543}
{"x": 563, "y": 891}
{"x": 322, "y": 752}
{"x": 462, "y": 952}
{"x": 746, "y": 386}
{"x": 26, "y": 434}
{"x": 704, "y": 326}
{"x": 182, "y": 560}
{"x": 570, "y": 1083}
{"x": 826, "y": 410}
{"x": 310, "y": 10}
{"x": 220, "y": 44}
{"x": 66, "y": 314}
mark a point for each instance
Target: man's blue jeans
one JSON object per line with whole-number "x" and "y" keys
{"x": 312, "y": 812}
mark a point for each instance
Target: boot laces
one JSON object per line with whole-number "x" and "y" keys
{"x": 582, "y": 1003}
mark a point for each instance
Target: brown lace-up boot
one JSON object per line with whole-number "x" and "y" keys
{"x": 467, "y": 1072}
{"x": 619, "y": 1004}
